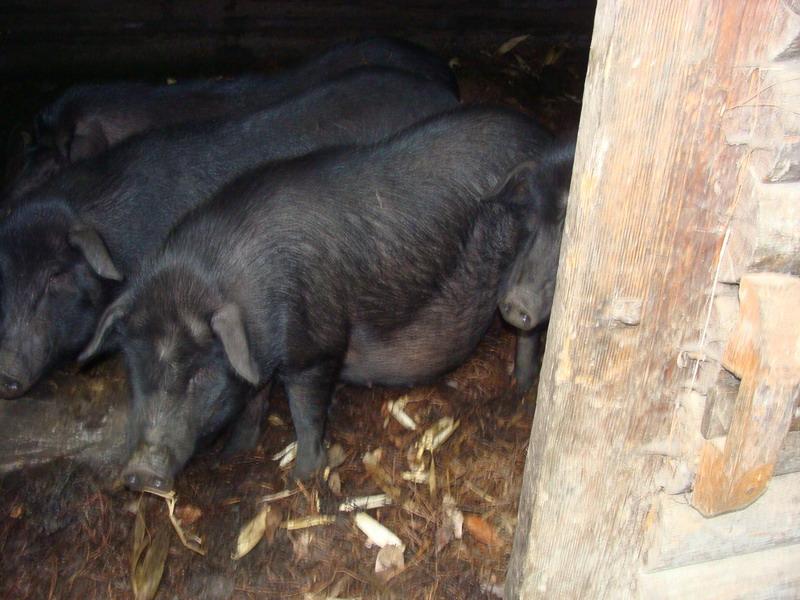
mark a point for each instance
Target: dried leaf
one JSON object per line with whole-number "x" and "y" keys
{"x": 396, "y": 408}
{"x": 139, "y": 541}
{"x": 286, "y": 456}
{"x": 336, "y": 456}
{"x": 509, "y": 45}
{"x": 189, "y": 514}
{"x": 147, "y": 559}
{"x": 16, "y": 511}
{"x": 553, "y": 54}
{"x": 372, "y": 465}
{"x": 481, "y": 530}
{"x": 251, "y": 534}
{"x": 192, "y": 542}
{"x": 389, "y": 562}
{"x": 451, "y": 525}
{"x": 275, "y": 420}
{"x": 435, "y": 435}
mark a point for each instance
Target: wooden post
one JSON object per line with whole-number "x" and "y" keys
{"x": 653, "y": 191}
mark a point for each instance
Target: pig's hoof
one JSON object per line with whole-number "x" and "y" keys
{"x": 309, "y": 462}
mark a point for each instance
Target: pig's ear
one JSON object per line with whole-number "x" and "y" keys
{"x": 517, "y": 185}
{"x": 227, "y": 324}
{"x": 94, "y": 250}
{"x": 88, "y": 140}
{"x": 111, "y": 316}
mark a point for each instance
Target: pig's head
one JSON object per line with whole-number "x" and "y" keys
{"x": 531, "y": 282}
{"x": 55, "y": 276}
{"x": 541, "y": 190}
{"x": 41, "y": 163}
{"x": 189, "y": 364}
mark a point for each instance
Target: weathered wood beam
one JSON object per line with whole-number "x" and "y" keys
{"x": 764, "y": 352}
{"x": 681, "y": 536}
{"x": 789, "y": 456}
{"x": 78, "y": 416}
{"x": 653, "y": 190}
{"x": 767, "y": 575}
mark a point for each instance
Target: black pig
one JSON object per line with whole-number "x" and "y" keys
{"x": 528, "y": 291}
{"x": 369, "y": 265}
{"x": 88, "y": 119}
{"x": 66, "y": 245}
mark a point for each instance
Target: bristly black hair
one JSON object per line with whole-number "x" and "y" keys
{"x": 542, "y": 185}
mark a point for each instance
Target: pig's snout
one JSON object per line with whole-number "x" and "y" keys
{"x": 517, "y": 312}
{"x": 17, "y": 373}
{"x": 149, "y": 469}
{"x": 140, "y": 480}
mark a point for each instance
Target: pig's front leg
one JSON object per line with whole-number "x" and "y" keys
{"x": 526, "y": 361}
{"x": 309, "y": 392}
{"x": 247, "y": 428}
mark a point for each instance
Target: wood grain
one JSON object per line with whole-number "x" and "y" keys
{"x": 682, "y": 536}
{"x": 653, "y": 191}
{"x": 764, "y": 352}
{"x": 768, "y": 575}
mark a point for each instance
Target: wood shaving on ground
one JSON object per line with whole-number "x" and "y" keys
{"x": 396, "y": 408}
{"x": 377, "y": 533}
{"x": 286, "y": 456}
{"x": 306, "y": 522}
{"x": 509, "y": 45}
{"x": 365, "y": 503}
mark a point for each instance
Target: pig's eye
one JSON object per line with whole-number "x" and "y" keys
{"x": 201, "y": 376}
{"x": 58, "y": 280}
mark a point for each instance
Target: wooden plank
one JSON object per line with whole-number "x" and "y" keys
{"x": 653, "y": 191}
{"x": 720, "y": 402}
{"x": 765, "y": 230}
{"x": 764, "y": 351}
{"x": 682, "y": 536}
{"x": 789, "y": 456}
{"x": 768, "y": 575}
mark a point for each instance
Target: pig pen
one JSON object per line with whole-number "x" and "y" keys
{"x": 69, "y": 530}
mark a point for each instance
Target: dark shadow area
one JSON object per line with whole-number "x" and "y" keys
{"x": 66, "y": 526}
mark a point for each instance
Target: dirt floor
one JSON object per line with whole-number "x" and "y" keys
{"x": 67, "y": 530}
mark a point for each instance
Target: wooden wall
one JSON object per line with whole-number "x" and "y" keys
{"x": 671, "y": 372}
{"x": 43, "y": 37}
